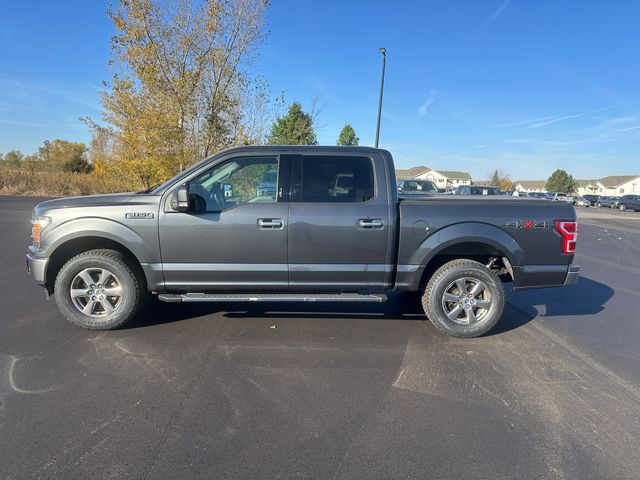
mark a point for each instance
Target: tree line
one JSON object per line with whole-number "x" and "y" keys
{"x": 60, "y": 155}
{"x": 182, "y": 87}
{"x": 558, "y": 181}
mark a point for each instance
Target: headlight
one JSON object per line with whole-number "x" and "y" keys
{"x": 38, "y": 223}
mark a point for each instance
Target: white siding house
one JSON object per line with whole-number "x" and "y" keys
{"x": 587, "y": 187}
{"x": 530, "y": 185}
{"x": 618, "y": 185}
{"x": 614, "y": 185}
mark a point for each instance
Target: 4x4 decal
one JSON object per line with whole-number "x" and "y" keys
{"x": 527, "y": 224}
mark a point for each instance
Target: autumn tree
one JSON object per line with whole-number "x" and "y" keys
{"x": 294, "y": 128}
{"x": 68, "y": 156}
{"x": 561, "y": 181}
{"x": 501, "y": 180}
{"x": 347, "y": 136}
{"x": 180, "y": 80}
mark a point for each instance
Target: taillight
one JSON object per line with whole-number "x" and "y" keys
{"x": 569, "y": 232}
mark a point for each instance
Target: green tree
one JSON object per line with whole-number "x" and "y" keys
{"x": 495, "y": 179}
{"x": 44, "y": 152}
{"x": 561, "y": 181}
{"x": 13, "y": 158}
{"x": 295, "y": 128}
{"x": 347, "y": 136}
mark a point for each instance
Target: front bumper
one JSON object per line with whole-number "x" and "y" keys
{"x": 37, "y": 267}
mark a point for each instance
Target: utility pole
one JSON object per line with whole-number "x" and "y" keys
{"x": 383, "y": 51}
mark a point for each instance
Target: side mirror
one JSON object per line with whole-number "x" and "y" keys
{"x": 180, "y": 199}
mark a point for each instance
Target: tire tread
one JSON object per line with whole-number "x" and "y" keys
{"x": 433, "y": 283}
{"x": 122, "y": 261}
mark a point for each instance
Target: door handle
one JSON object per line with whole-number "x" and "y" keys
{"x": 370, "y": 223}
{"x": 270, "y": 223}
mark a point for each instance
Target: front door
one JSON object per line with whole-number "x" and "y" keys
{"x": 234, "y": 237}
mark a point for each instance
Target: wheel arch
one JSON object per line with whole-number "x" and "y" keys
{"x": 68, "y": 249}
{"x": 472, "y": 240}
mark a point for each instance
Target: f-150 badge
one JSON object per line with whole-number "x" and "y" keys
{"x": 139, "y": 215}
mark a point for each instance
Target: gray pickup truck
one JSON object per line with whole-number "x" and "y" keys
{"x": 291, "y": 224}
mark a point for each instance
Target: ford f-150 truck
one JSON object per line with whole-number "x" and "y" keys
{"x": 332, "y": 228}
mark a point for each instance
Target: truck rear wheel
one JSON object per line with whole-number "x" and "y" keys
{"x": 464, "y": 298}
{"x": 99, "y": 290}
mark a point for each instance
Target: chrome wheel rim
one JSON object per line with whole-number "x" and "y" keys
{"x": 466, "y": 301}
{"x": 96, "y": 292}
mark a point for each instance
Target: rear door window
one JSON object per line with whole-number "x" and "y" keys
{"x": 336, "y": 179}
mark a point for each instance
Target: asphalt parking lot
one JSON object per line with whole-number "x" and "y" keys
{"x": 328, "y": 391}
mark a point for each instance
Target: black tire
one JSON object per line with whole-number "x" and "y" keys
{"x": 598, "y": 205}
{"x": 110, "y": 305}
{"x": 622, "y": 208}
{"x": 444, "y": 281}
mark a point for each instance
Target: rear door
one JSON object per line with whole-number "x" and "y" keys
{"x": 339, "y": 224}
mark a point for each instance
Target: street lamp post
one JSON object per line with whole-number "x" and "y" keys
{"x": 383, "y": 51}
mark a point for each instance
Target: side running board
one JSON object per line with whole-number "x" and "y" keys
{"x": 271, "y": 297}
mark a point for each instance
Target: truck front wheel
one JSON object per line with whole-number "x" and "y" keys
{"x": 464, "y": 298}
{"x": 99, "y": 290}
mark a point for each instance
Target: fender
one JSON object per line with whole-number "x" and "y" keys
{"x": 101, "y": 227}
{"x": 468, "y": 232}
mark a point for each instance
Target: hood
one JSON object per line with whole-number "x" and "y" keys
{"x": 86, "y": 201}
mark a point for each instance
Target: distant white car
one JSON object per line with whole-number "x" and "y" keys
{"x": 581, "y": 202}
{"x": 562, "y": 197}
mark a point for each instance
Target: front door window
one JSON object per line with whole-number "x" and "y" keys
{"x": 235, "y": 182}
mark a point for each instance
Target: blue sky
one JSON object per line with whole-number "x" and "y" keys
{"x": 523, "y": 86}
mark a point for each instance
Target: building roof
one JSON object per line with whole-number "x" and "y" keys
{"x": 531, "y": 183}
{"x": 616, "y": 180}
{"x": 414, "y": 172}
{"x": 456, "y": 175}
{"x": 411, "y": 172}
{"x": 586, "y": 183}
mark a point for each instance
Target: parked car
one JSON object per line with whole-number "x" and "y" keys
{"x": 538, "y": 195}
{"x": 593, "y": 199}
{"x": 604, "y": 201}
{"x": 446, "y": 191}
{"x": 267, "y": 188}
{"x": 581, "y": 202}
{"x": 615, "y": 203}
{"x": 476, "y": 190}
{"x": 561, "y": 197}
{"x": 629, "y": 202}
{"x": 416, "y": 187}
{"x": 101, "y": 255}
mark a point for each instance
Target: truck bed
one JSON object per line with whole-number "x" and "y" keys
{"x": 520, "y": 230}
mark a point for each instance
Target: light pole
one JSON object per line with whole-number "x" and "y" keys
{"x": 383, "y": 51}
